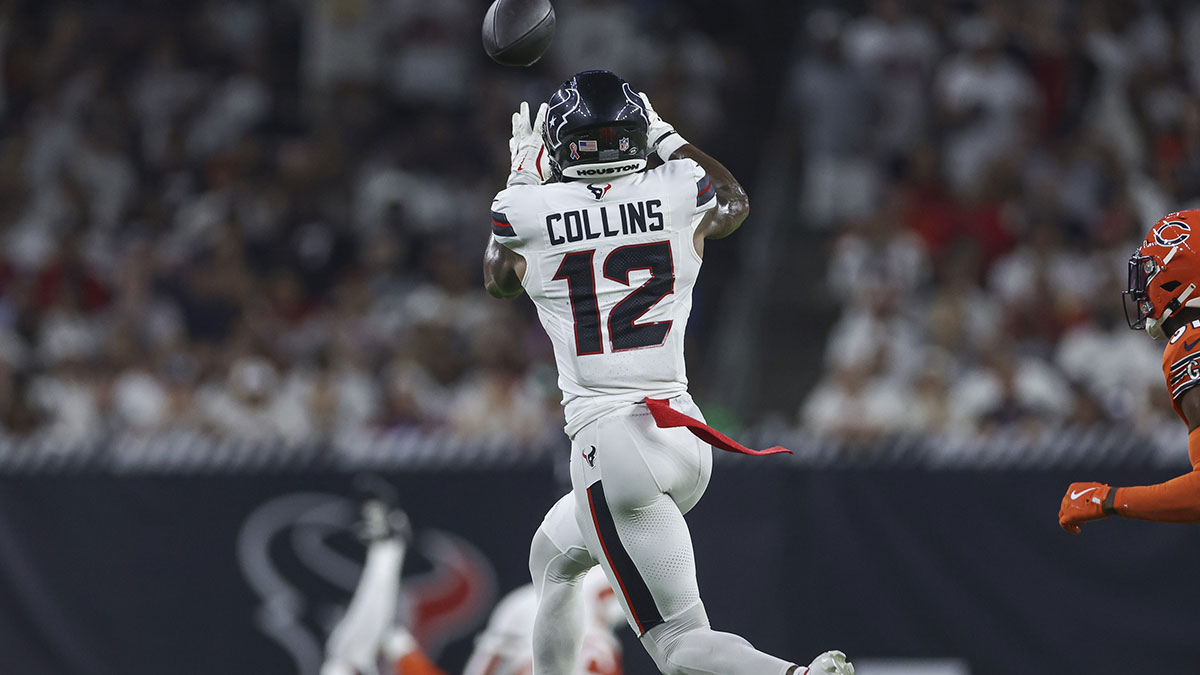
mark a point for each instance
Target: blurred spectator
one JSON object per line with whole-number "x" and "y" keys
{"x": 592, "y": 25}
{"x": 1049, "y": 156}
{"x": 834, "y": 104}
{"x": 987, "y": 101}
{"x": 877, "y": 334}
{"x": 1117, "y": 367}
{"x": 499, "y": 402}
{"x": 962, "y": 317}
{"x": 854, "y": 404}
{"x": 928, "y": 403}
{"x": 1006, "y": 389}
{"x": 248, "y": 406}
{"x": 873, "y": 253}
{"x": 900, "y": 50}
{"x": 20, "y": 416}
{"x": 140, "y": 402}
{"x": 67, "y": 400}
{"x": 342, "y": 43}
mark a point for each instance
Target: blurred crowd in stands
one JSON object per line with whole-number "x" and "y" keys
{"x": 266, "y": 218}
{"x": 984, "y": 177}
{"x": 262, "y": 218}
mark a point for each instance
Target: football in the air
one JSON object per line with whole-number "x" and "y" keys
{"x": 517, "y": 32}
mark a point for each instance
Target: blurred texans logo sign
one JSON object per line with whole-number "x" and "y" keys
{"x": 591, "y": 457}
{"x": 597, "y": 191}
{"x": 1172, "y": 233}
{"x": 289, "y": 553}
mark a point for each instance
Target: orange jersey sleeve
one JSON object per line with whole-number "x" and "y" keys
{"x": 1181, "y": 363}
{"x": 1175, "y": 501}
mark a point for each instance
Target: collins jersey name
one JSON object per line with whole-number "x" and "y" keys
{"x": 604, "y": 221}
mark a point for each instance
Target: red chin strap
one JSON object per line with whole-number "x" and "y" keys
{"x": 667, "y": 417}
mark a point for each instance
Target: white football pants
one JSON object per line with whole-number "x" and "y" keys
{"x": 631, "y": 483}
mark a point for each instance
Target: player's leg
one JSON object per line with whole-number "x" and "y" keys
{"x": 354, "y": 644}
{"x": 626, "y": 492}
{"x": 558, "y": 561}
{"x": 684, "y": 643}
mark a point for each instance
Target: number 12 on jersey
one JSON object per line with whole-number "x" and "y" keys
{"x": 624, "y": 333}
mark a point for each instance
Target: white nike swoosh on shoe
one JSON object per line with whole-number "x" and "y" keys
{"x": 1077, "y": 495}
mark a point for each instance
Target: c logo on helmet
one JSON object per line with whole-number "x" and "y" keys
{"x": 1178, "y": 228}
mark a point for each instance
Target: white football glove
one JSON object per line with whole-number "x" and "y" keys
{"x": 831, "y": 663}
{"x": 530, "y": 162}
{"x": 661, "y": 137}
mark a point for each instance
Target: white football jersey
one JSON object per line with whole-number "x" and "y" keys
{"x": 611, "y": 265}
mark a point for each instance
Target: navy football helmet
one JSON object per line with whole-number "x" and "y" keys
{"x": 596, "y": 128}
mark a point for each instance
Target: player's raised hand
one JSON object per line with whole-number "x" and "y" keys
{"x": 522, "y": 128}
{"x": 530, "y": 163}
{"x": 661, "y": 136}
{"x": 1083, "y": 503}
{"x": 830, "y": 663}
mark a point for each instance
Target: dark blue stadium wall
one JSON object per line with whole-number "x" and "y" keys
{"x": 129, "y": 575}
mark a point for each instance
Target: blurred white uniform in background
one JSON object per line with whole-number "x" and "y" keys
{"x": 506, "y": 646}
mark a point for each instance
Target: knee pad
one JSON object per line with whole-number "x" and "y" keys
{"x": 548, "y": 563}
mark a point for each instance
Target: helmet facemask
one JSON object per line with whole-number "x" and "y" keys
{"x": 1135, "y": 299}
{"x": 1140, "y": 309}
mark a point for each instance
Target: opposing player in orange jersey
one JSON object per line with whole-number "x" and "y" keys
{"x": 1163, "y": 298}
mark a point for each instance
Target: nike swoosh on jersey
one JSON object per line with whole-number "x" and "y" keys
{"x": 1187, "y": 346}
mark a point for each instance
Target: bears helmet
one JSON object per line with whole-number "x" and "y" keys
{"x": 1164, "y": 274}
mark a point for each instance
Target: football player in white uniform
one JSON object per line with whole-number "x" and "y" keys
{"x": 506, "y": 646}
{"x": 367, "y": 640}
{"x": 608, "y": 251}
